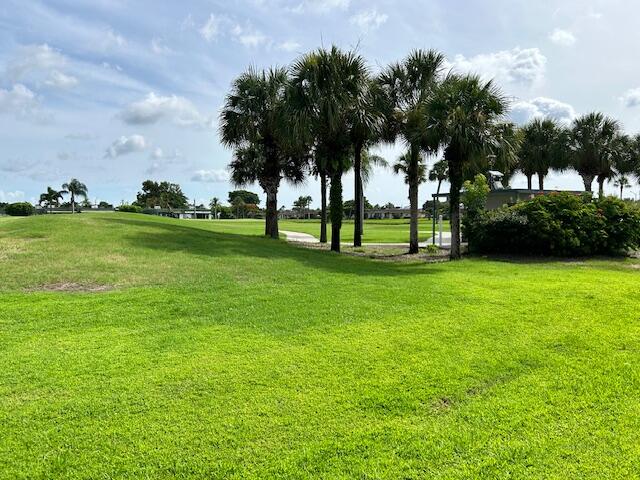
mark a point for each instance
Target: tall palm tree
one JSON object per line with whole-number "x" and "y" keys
{"x": 404, "y": 166}
{"x": 408, "y": 87}
{"x": 254, "y": 122}
{"x": 51, "y": 198}
{"x": 215, "y": 205}
{"x": 327, "y": 87}
{"x": 590, "y": 142}
{"x": 319, "y": 169}
{"x": 622, "y": 182}
{"x": 439, "y": 173}
{"x": 76, "y": 189}
{"x": 465, "y": 118}
{"x": 366, "y": 124}
{"x": 368, "y": 163}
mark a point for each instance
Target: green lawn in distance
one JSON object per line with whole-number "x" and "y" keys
{"x": 375, "y": 231}
{"x": 201, "y": 354}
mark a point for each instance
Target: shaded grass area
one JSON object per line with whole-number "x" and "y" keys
{"x": 219, "y": 355}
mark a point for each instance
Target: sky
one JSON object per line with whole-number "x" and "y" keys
{"x": 114, "y": 92}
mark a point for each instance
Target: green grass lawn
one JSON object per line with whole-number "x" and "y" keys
{"x": 199, "y": 354}
{"x": 375, "y": 231}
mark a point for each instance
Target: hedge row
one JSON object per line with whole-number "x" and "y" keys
{"x": 560, "y": 224}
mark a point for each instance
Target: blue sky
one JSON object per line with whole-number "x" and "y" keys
{"x": 116, "y": 91}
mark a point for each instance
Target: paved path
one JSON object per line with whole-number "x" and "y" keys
{"x": 299, "y": 237}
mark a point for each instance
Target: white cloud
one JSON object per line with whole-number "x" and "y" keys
{"x": 320, "y": 6}
{"x": 522, "y": 66}
{"x": 112, "y": 39}
{"x": 289, "y": 46}
{"x": 368, "y": 20}
{"x": 24, "y": 104}
{"x": 159, "y": 154}
{"x": 542, "y": 107}
{"x": 154, "y": 107}
{"x": 159, "y": 48}
{"x": 11, "y": 197}
{"x": 210, "y": 176}
{"x": 562, "y": 37}
{"x": 631, "y": 98}
{"x": 249, "y": 37}
{"x": 40, "y": 64}
{"x": 60, "y": 80}
{"x": 125, "y": 145}
{"x": 211, "y": 28}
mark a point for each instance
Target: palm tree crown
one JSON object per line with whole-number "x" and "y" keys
{"x": 76, "y": 189}
{"x": 543, "y": 147}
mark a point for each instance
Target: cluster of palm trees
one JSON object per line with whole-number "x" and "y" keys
{"x": 52, "y": 197}
{"x": 323, "y": 114}
{"x": 593, "y": 145}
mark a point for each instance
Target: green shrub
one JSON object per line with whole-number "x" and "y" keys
{"x": 20, "y": 209}
{"x": 130, "y": 208}
{"x": 558, "y": 224}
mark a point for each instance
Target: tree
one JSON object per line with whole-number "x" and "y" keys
{"x": 465, "y": 118}
{"x": 590, "y": 142}
{"x": 239, "y": 206}
{"x": 408, "y": 87}
{"x": 51, "y": 198}
{"x": 256, "y": 124}
{"x": 543, "y": 147}
{"x": 439, "y": 173}
{"x": 404, "y": 166}
{"x": 104, "y": 204}
{"x": 76, "y": 189}
{"x": 366, "y": 124}
{"x": 302, "y": 204}
{"x": 245, "y": 195}
{"x": 622, "y": 182}
{"x": 163, "y": 194}
{"x": 327, "y": 87}
{"x": 214, "y": 205}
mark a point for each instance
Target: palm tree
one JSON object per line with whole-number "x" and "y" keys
{"x": 439, "y": 173}
{"x": 254, "y": 122}
{"x": 76, "y": 189}
{"x": 465, "y": 118}
{"x": 51, "y": 198}
{"x": 366, "y": 124}
{"x": 622, "y": 182}
{"x": 408, "y": 87}
{"x": 404, "y": 166}
{"x": 214, "y": 205}
{"x": 368, "y": 162}
{"x": 327, "y": 87}
{"x": 590, "y": 142}
{"x": 543, "y": 148}
{"x": 319, "y": 169}
{"x": 302, "y": 204}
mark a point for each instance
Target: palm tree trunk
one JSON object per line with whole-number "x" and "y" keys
{"x": 336, "y": 209}
{"x": 541, "y": 182}
{"x": 73, "y": 204}
{"x": 323, "y": 208}
{"x": 529, "y": 182}
{"x": 357, "y": 169}
{"x": 601, "y": 181}
{"x": 413, "y": 200}
{"x": 621, "y": 188}
{"x": 587, "y": 179}
{"x": 455, "y": 178}
{"x": 271, "y": 220}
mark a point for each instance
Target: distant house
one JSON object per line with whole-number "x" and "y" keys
{"x": 499, "y": 197}
{"x": 182, "y": 213}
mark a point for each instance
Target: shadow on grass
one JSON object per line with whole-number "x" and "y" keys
{"x": 170, "y": 236}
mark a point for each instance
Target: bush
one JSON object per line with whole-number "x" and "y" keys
{"x": 559, "y": 224}
{"x": 21, "y": 209}
{"x": 130, "y": 209}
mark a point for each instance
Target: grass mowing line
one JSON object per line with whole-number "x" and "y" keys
{"x": 232, "y": 356}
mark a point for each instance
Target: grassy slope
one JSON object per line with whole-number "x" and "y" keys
{"x": 230, "y": 356}
{"x": 376, "y": 231}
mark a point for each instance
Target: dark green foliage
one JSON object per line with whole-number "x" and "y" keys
{"x": 558, "y": 224}
{"x": 163, "y": 194}
{"x": 130, "y": 208}
{"x": 20, "y": 209}
{"x": 246, "y": 196}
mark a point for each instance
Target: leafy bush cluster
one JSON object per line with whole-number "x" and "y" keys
{"x": 20, "y": 209}
{"x": 130, "y": 208}
{"x": 560, "y": 224}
